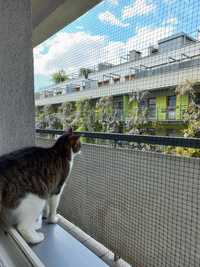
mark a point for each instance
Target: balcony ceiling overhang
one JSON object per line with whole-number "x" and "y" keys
{"x": 49, "y": 16}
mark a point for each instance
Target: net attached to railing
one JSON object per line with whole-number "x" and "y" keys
{"x": 142, "y": 205}
{"x": 136, "y": 70}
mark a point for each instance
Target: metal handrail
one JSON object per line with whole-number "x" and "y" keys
{"x": 146, "y": 139}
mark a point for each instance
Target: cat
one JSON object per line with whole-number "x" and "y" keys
{"x": 32, "y": 177}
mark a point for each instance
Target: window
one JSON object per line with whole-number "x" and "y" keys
{"x": 143, "y": 104}
{"x": 106, "y": 82}
{"x": 197, "y": 98}
{"x": 58, "y": 93}
{"x": 100, "y": 84}
{"x": 152, "y": 108}
{"x": 132, "y": 77}
{"x": 116, "y": 80}
{"x": 129, "y": 77}
{"x": 118, "y": 106}
{"x": 171, "y": 107}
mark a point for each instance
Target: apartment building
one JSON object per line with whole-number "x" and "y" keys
{"x": 149, "y": 80}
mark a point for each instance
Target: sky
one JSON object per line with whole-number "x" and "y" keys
{"x": 110, "y": 30}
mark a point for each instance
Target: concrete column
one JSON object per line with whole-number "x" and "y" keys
{"x": 16, "y": 76}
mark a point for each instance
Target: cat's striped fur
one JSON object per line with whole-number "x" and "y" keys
{"x": 29, "y": 177}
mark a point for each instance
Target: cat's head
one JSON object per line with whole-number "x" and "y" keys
{"x": 74, "y": 141}
{"x": 69, "y": 141}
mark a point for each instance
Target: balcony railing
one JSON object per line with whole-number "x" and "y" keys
{"x": 151, "y": 71}
{"x": 140, "y": 203}
{"x": 172, "y": 114}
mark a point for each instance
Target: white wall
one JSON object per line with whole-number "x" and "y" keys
{"x": 16, "y": 76}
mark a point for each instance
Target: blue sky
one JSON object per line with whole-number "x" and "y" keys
{"x": 110, "y": 30}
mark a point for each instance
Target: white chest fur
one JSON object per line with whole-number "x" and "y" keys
{"x": 71, "y": 162}
{"x": 73, "y": 155}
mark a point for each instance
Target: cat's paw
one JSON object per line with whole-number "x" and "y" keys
{"x": 38, "y": 226}
{"x": 53, "y": 219}
{"x": 31, "y": 237}
{"x": 36, "y": 238}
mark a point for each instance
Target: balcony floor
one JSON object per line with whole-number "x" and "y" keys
{"x": 61, "y": 249}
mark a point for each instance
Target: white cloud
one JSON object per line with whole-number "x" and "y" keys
{"x": 172, "y": 21}
{"x": 138, "y": 8}
{"x": 71, "y": 51}
{"x": 147, "y": 36}
{"x": 169, "y": 2}
{"x": 113, "y": 2}
{"x": 108, "y": 17}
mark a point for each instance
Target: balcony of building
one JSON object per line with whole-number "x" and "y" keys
{"x": 149, "y": 73}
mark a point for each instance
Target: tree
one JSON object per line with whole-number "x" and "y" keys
{"x": 59, "y": 76}
{"x": 85, "y": 72}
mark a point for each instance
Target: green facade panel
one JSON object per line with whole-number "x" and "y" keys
{"x": 161, "y": 105}
{"x": 125, "y": 105}
{"x": 182, "y": 103}
{"x": 129, "y": 107}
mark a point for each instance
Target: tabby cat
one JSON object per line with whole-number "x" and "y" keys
{"x": 32, "y": 177}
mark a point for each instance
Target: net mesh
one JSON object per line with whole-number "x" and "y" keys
{"x": 143, "y": 206}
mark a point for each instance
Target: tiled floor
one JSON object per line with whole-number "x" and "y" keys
{"x": 61, "y": 249}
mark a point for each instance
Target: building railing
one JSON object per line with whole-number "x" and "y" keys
{"x": 163, "y": 114}
{"x": 164, "y": 68}
{"x": 142, "y": 205}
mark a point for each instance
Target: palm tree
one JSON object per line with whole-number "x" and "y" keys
{"x": 85, "y": 72}
{"x": 59, "y": 76}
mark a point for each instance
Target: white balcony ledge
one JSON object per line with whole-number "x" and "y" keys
{"x": 64, "y": 245}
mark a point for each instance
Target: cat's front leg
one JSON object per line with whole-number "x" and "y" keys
{"x": 53, "y": 205}
{"x": 46, "y": 210}
{"x": 27, "y": 213}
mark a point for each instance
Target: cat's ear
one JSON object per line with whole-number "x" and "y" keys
{"x": 73, "y": 139}
{"x": 69, "y": 131}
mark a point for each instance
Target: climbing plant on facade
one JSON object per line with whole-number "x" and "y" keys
{"x": 106, "y": 116}
{"x": 68, "y": 115}
{"x": 137, "y": 122}
{"x": 191, "y": 117}
{"x": 85, "y": 115}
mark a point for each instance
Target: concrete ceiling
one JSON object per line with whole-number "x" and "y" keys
{"x": 49, "y": 16}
